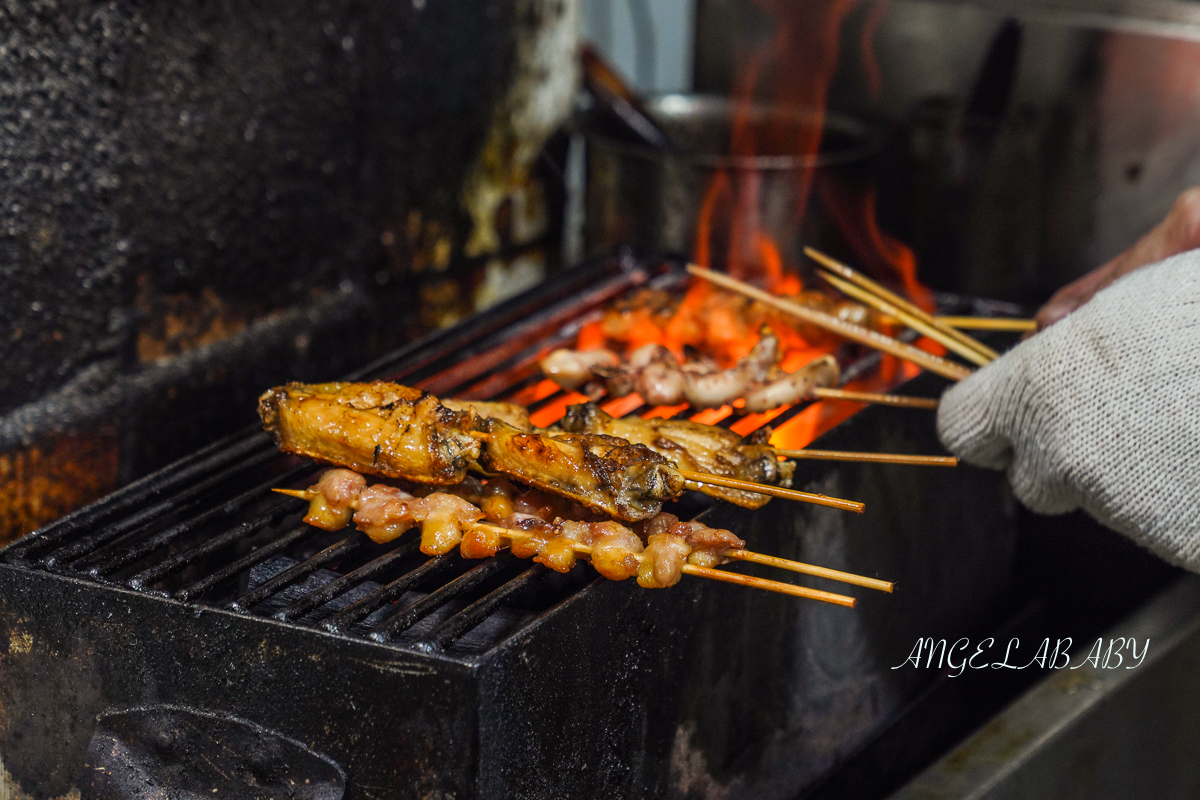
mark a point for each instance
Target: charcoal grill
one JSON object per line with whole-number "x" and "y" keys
{"x": 190, "y": 631}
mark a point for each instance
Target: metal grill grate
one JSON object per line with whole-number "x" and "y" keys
{"x": 208, "y": 530}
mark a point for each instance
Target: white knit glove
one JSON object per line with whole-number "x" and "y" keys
{"x": 1100, "y": 411}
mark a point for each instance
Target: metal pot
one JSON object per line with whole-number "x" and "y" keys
{"x": 653, "y": 198}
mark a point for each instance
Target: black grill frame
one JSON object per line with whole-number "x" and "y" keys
{"x": 209, "y": 492}
{"x": 591, "y": 690}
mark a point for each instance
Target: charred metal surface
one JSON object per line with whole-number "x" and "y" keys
{"x": 41, "y": 483}
{"x": 174, "y": 178}
{"x": 72, "y": 663}
{"x": 252, "y": 150}
{"x": 144, "y": 751}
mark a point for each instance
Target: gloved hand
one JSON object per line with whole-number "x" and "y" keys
{"x": 1101, "y": 411}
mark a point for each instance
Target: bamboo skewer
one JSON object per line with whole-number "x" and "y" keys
{"x": 770, "y": 586}
{"x": 721, "y": 575}
{"x": 916, "y": 323}
{"x": 896, "y": 300}
{"x": 695, "y": 478}
{"x": 989, "y": 323}
{"x": 897, "y": 400}
{"x": 810, "y": 569}
{"x": 299, "y": 494}
{"x": 870, "y": 458}
{"x": 847, "y": 330}
{"x": 755, "y": 558}
{"x": 773, "y": 491}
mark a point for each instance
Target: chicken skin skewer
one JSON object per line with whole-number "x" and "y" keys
{"x": 654, "y": 551}
{"x": 653, "y": 372}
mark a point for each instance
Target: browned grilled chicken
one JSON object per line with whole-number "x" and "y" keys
{"x": 377, "y": 428}
{"x": 692, "y": 446}
{"x": 392, "y": 430}
{"x": 512, "y": 413}
{"x": 653, "y": 372}
{"x": 628, "y": 481}
{"x": 654, "y": 551}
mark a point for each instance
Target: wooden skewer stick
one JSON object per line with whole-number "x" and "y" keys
{"x": 847, "y": 330}
{"x": 810, "y": 569}
{"x": 770, "y": 586}
{"x": 897, "y": 400}
{"x": 718, "y": 575}
{"x": 916, "y": 323}
{"x": 716, "y": 480}
{"x": 896, "y": 300}
{"x": 773, "y": 491}
{"x": 989, "y": 323}
{"x": 870, "y": 458}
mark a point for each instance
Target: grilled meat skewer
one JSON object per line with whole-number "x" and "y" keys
{"x": 377, "y": 428}
{"x": 391, "y": 430}
{"x": 663, "y": 543}
{"x": 693, "y": 446}
{"x": 658, "y": 551}
{"x": 653, "y": 372}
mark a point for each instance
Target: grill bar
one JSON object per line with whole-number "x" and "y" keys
{"x": 152, "y": 575}
{"x": 182, "y": 502}
{"x": 433, "y": 568}
{"x": 130, "y": 554}
{"x": 438, "y": 598}
{"x": 297, "y": 534}
{"x": 320, "y": 596}
{"x": 454, "y": 628}
{"x": 299, "y": 571}
{"x": 521, "y": 374}
{"x": 186, "y": 471}
{"x": 562, "y": 297}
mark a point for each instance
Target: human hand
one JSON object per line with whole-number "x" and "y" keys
{"x": 1178, "y": 233}
{"x": 1100, "y": 411}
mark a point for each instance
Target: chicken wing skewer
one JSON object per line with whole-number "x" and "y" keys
{"x": 653, "y": 372}
{"x": 377, "y": 428}
{"x": 721, "y": 452}
{"x": 394, "y": 431}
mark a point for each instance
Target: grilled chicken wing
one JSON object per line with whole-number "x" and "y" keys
{"x": 628, "y": 481}
{"x": 692, "y": 446}
{"x": 377, "y": 428}
{"x": 512, "y": 413}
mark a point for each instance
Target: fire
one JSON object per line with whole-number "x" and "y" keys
{"x": 853, "y": 208}
{"x": 792, "y": 69}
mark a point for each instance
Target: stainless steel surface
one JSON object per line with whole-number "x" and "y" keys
{"x": 1100, "y": 133}
{"x": 1088, "y": 732}
{"x": 640, "y": 196}
{"x": 1177, "y": 18}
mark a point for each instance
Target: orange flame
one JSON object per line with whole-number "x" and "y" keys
{"x": 853, "y": 208}
{"x": 871, "y": 71}
{"x": 731, "y": 228}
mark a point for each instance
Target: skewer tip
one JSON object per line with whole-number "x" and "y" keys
{"x": 301, "y": 494}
